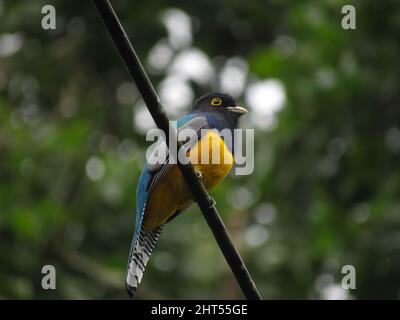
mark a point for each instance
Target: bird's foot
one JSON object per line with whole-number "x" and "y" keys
{"x": 212, "y": 202}
{"x": 199, "y": 175}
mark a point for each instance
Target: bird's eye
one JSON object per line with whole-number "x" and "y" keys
{"x": 216, "y": 102}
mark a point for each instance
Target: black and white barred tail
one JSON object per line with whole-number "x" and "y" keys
{"x": 142, "y": 248}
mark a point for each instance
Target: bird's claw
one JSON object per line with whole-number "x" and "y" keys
{"x": 212, "y": 202}
{"x": 199, "y": 175}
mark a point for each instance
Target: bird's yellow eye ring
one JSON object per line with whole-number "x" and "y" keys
{"x": 216, "y": 102}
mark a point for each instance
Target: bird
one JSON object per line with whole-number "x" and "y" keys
{"x": 162, "y": 193}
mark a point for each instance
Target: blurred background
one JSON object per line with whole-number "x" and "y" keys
{"x": 324, "y": 103}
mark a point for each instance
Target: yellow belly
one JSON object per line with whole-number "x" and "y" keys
{"x": 172, "y": 194}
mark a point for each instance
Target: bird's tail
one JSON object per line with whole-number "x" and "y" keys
{"x": 143, "y": 245}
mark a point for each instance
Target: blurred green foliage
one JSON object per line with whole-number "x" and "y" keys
{"x": 325, "y": 191}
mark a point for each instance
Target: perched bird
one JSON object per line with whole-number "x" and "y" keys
{"x": 162, "y": 193}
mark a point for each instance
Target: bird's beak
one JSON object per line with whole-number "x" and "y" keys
{"x": 238, "y": 110}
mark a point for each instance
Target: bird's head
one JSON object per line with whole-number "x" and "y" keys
{"x": 220, "y": 103}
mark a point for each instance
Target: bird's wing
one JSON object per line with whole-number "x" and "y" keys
{"x": 160, "y": 170}
{"x": 143, "y": 243}
{"x": 153, "y": 173}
